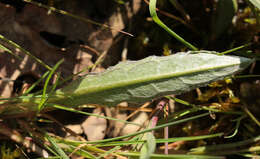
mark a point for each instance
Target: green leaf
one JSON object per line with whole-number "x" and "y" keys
{"x": 256, "y": 3}
{"x": 56, "y": 147}
{"x": 140, "y": 81}
{"x": 149, "y": 146}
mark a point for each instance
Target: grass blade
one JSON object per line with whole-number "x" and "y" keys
{"x": 56, "y": 147}
{"x": 152, "y": 8}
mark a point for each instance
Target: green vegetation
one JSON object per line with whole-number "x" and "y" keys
{"x": 219, "y": 120}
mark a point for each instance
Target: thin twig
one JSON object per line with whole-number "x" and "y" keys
{"x": 75, "y": 16}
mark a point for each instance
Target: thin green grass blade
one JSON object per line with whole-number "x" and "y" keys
{"x": 109, "y": 152}
{"x": 43, "y": 97}
{"x": 151, "y": 129}
{"x": 56, "y": 147}
{"x": 191, "y": 138}
{"x": 91, "y": 114}
{"x": 237, "y": 126}
{"x": 152, "y": 8}
{"x": 106, "y": 141}
{"x": 161, "y": 156}
{"x": 36, "y": 83}
{"x": 85, "y": 149}
{"x": 201, "y": 107}
{"x": 49, "y": 148}
{"x": 235, "y": 49}
{"x": 10, "y": 52}
{"x": 81, "y": 152}
{"x": 13, "y": 44}
{"x": 178, "y": 114}
{"x": 158, "y": 141}
{"x": 52, "y": 157}
{"x": 246, "y": 76}
{"x": 212, "y": 148}
{"x": 237, "y": 151}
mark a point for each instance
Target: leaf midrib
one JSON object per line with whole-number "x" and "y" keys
{"x": 125, "y": 83}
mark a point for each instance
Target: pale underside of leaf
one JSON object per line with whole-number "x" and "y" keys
{"x": 256, "y": 3}
{"x": 140, "y": 81}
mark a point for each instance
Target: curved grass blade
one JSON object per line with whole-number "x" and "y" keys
{"x": 152, "y": 8}
{"x": 44, "y": 99}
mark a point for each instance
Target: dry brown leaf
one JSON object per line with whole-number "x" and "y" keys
{"x": 94, "y": 127}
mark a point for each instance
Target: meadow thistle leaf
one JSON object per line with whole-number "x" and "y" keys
{"x": 146, "y": 79}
